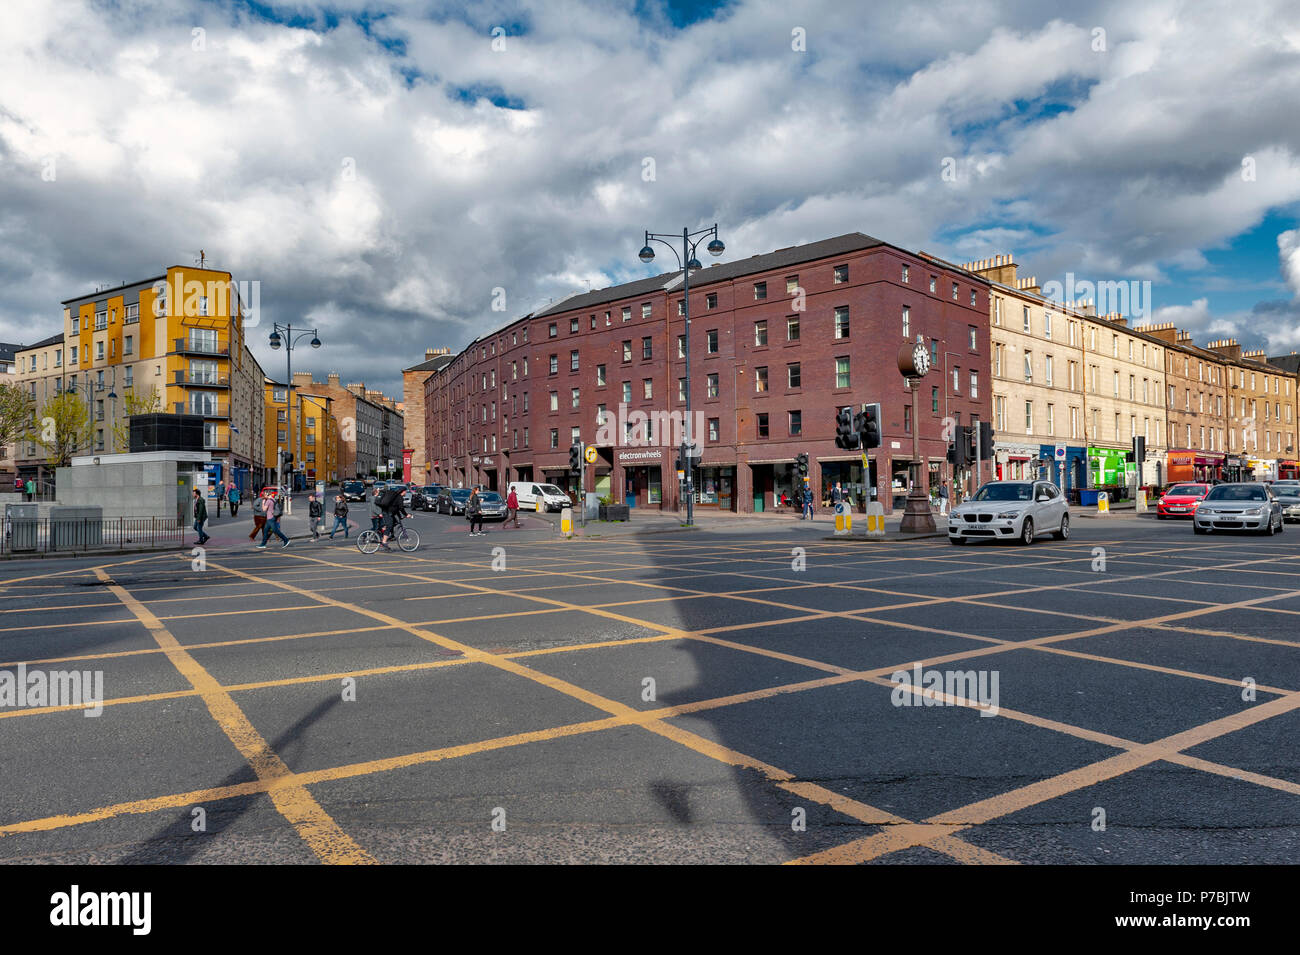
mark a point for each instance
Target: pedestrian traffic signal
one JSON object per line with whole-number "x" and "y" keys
{"x": 801, "y": 464}
{"x": 1139, "y": 448}
{"x": 869, "y": 426}
{"x": 986, "y": 440}
{"x": 575, "y": 458}
{"x": 846, "y": 435}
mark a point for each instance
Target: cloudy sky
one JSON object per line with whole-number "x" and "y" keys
{"x": 381, "y": 167}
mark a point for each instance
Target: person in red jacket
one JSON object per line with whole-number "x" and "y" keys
{"x": 512, "y": 508}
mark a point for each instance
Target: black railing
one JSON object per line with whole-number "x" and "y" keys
{"x": 197, "y": 347}
{"x": 45, "y": 535}
{"x": 202, "y": 379}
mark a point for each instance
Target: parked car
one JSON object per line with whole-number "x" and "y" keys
{"x": 1181, "y": 500}
{"x": 1246, "y": 506}
{"x": 412, "y": 499}
{"x": 452, "y": 500}
{"x": 429, "y": 496}
{"x": 1010, "y": 510}
{"x": 552, "y": 498}
{"x": 353, "y": 490}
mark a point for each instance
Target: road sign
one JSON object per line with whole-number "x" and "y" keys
{"x": 1060, "y": 452}
{"x": 590, "y": 454}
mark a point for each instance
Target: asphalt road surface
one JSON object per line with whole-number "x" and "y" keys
{"x": 1128, "y": 696}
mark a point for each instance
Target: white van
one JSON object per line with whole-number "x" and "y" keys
{"x": 552, "y": 498}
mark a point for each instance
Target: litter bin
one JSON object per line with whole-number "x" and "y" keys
{"x": 76, "y": 528}
{"x": 21, "y": 524}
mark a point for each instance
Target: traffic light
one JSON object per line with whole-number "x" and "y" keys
{"x": 1139, "y": 448}
{"x": 959, "y": 450}
{"x": 972, "y": 444}
{"x": 986, "y": 440}
{"x": 575, "y": 458}
{"x": 801, "y": 464}
{"x": 846, "y": 435}
{"x": 869, "y": 426}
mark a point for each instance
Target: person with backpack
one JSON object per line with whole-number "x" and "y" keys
{"x": 259, "y": 517}
{"x": 200, "y": 517}
{"x": 340, "y": 517}
{"x": 391, "y": 507}
{"x": 474, "y": 514}
{"x": 273, "y": 505}
{"x": 315, "y": 512}
{"x": 512, "y": 507}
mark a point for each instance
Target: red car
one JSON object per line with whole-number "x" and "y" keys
{"x": 1181, "y": 500}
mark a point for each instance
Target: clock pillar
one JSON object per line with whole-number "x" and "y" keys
{"x": 913, "y": 364}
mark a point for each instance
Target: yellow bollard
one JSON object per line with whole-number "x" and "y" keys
{"x": 1103, "y": 503}
{"x": 566, "y": 522}
{"x": 539, "y": 505}
{"x": 843, "y": 520}
{"x": 875, "y": 519}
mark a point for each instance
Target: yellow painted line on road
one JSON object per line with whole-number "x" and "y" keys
{"x": 681, "y": 736}
{"x": 330, "y": 843}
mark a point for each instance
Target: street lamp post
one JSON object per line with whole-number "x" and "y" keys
{"x": 687, "y": 261}
{"x": 284, "y": 335}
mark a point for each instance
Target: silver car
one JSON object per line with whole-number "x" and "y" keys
{"x": 1239, "y": 507}
{"x": 1011, "y": 510}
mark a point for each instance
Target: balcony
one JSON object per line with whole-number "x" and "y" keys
{"x": 215, "y": 410}
{"x": 202, "y": 379}
{"x": 186, "y": 346}
{"x": 216, "y": 444}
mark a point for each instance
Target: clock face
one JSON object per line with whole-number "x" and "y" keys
{"x": 921, "y": 359}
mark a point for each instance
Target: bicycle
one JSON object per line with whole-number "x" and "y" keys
{"x": 368, "y": 541}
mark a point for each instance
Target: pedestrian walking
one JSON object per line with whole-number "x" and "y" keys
{"x": 232, "y": 495}
{"x": 315, "y": 513}
{"x": 512, "y": 507}
{"x": 31, "y": 490}
{"x": 340, "y": 517}
{"x": 807, "y": 503}
{"x": 943, "y": 498}
{"x": 837, "y": 494}
{"x": 259, "y": 517}
{"x": 274, "y": 505}
{"x": 200, "y": 517}
{"x": 474, "y": 513}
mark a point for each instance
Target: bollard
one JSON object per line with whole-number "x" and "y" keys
{"x": 566, "y": 522}
{"x": 875, "y": 519}
{"x": 539, "y": 505}
{"x": 1103, "y": 503}
{"x": 1141, "y": 500}
{"x": 843, "y": 519}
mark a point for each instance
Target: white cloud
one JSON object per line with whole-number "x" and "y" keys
{"x": 1124, "y": 164}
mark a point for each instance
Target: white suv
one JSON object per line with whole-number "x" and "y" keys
{"x": 1011, "y": 510}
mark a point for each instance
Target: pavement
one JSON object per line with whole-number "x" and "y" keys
{"x": 737, "y": 693}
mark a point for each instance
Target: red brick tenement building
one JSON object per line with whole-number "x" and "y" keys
{"x": 779, "y": 342}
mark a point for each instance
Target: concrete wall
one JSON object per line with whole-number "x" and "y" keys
{"x": 137, "y": 489}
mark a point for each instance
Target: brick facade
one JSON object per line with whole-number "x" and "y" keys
{"x": 476, "y": 420}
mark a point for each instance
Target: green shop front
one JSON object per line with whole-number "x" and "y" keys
{"x": 1110, "y": 468}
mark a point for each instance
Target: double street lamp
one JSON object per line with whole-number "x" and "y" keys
{"x": 284, "y": 335}
{"x": 686, "y": 261}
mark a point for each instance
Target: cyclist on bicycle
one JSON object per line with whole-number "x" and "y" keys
{"x": 390, "y": 505}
